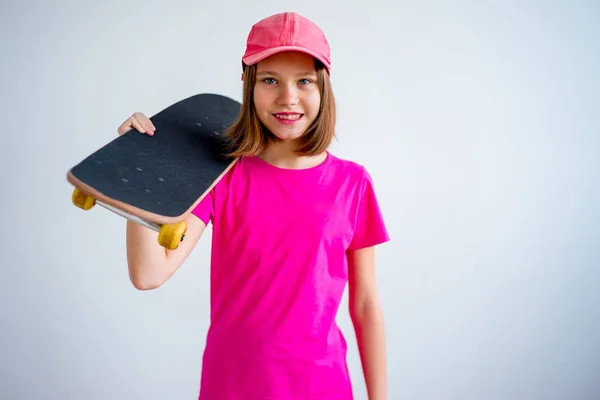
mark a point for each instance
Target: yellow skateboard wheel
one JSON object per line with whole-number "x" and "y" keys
{"x": 82, "y": 200}
{"x": 171, "y": 235}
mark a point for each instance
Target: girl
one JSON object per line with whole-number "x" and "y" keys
{"x": 292, "y": 224}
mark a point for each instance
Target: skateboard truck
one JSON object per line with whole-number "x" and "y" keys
{"x": 169, "y": 235}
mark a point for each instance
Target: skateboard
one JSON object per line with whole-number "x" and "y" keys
{"x": 157, "y": 180}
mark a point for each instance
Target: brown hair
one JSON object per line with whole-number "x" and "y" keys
{"x": 248, "y": 136}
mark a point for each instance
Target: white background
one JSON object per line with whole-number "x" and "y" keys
{"x": 477, "y": 120}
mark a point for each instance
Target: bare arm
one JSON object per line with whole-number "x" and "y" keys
{"x": 367, "y": 317}
{"x": 150, "y": 264}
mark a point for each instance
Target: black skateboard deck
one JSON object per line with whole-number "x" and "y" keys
{"x": 157, "y": 180}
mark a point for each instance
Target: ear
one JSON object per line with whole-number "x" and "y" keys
{"x": 242, "y": 76}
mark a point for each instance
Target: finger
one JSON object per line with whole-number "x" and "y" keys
{"x": 126, "y": 126}
{"x": 139, "y": 126}
{"x": 146, "y": 123}
{"x": 149, "y": 125}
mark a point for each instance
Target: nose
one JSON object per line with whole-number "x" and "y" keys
{"x": 288, "y": 95}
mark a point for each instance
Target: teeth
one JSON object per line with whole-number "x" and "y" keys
{"x": 289, "y": 117}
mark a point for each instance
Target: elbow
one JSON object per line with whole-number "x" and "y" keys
{"x": 365, "y": 309}
{"x": 141, "y": 284}
{"x": 145, "y": 282}
{"x": 356, "y": 315}
{"x": 145, "y": 285}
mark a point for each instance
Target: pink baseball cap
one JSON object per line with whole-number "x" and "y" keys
{"x": 286, "y": 32}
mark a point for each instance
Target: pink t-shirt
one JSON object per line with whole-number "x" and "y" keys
{"x": 278, "y": 272}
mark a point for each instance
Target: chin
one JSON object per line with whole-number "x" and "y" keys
{"x": 286, "y": 133}
{"x": 286, "y": 136}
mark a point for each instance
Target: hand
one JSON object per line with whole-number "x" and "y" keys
{"x": 139, "y": 122}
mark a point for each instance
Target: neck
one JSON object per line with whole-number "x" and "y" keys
{"x": 283, "y": 155}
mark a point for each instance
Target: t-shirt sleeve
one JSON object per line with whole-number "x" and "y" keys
{"x": 369, "y": 226}
{"x": 205, "y": 208}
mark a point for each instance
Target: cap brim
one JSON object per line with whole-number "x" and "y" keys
{"x": 255, "y": 58}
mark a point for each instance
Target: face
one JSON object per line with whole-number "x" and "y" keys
{"x": 287, "y": 94}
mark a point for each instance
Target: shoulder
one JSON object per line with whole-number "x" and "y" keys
{"x": 229, "y": 177}
{"x": 352, "y": 170}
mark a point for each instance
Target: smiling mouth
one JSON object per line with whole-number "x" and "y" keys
{"x": 289, "y": 117}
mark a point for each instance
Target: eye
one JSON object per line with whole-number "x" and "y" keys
{"x": 269, "y": 81}
{"x": 305, "y": 81}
